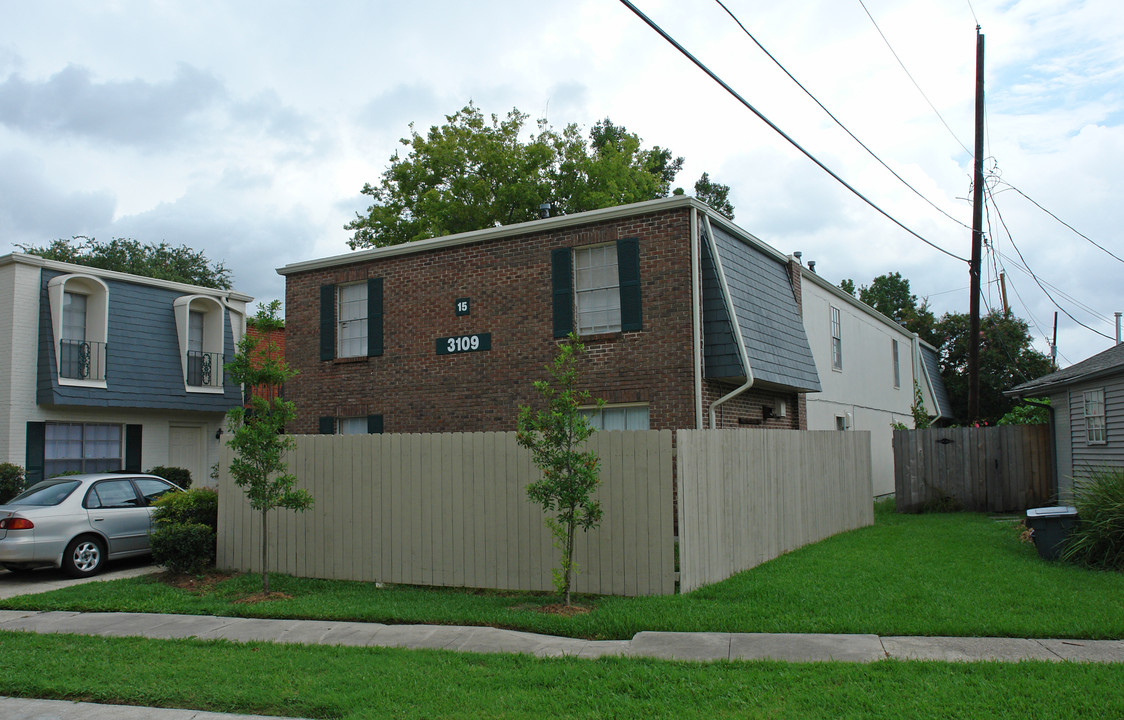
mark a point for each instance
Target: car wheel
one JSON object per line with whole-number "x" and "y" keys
{"x": 84, "y": 556}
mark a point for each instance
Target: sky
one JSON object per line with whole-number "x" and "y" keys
{"x": 247, "y": 129}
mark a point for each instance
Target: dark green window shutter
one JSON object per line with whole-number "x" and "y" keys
{"x": 374, "y": 424}
{"x": 327, "y": 426}
{"x": 327, "y": 322}
{"x": 36, "y": 451}
{"x": 374, "y": 317}
{"x": 561, "y": 264}
{"x": 628, "y": 271}
{"x": 133, "y": 448}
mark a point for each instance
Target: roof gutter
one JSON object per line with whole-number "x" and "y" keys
{"x": 749, "y": 379}
{"x": 696, "y": 318}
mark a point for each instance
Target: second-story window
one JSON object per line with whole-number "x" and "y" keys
{"x": 597, "y": 297}
{"x": 895, "y": 359}
{"x": 836, "y": 339}
{"x": 73, "y": 351}
{"x": 351, "y": 320}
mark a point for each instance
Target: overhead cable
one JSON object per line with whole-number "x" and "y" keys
{"x": 895, "y": 54}
{"x": 836, "y": 120}
{"x": 780, "y": 132}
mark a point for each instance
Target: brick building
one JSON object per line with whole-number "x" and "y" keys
{"x": 688, "y": 322}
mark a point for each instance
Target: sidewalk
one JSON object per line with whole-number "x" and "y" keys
{"x": 662, "y": 645}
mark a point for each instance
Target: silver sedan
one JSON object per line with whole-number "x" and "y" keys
{"x": 78, "y": 522}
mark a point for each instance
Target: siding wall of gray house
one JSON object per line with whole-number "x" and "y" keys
{"x": 767, "y": 314}
{"x": 143, "y": 367}
{"x": 1087, "y": 456}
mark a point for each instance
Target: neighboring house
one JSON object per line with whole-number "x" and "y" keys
{"x": 104, "y": 371}
{"x": 271, "y": 342}
{"x": 868, "y": 366}
{"x": 688, "y": 321}
{"x": 1086, "y": 414}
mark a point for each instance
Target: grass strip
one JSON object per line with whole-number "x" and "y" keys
{"x": 355, "y": 683}
{"x": 957, "y": 574}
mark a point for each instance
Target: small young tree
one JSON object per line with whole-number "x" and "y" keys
{"x": 554, "y": 435}
{"x": 257, "y": 433}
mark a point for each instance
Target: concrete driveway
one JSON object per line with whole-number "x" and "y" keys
{"x": 47, "y": 579}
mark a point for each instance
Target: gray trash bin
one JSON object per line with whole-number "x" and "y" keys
{"x": 1051, "y": 526}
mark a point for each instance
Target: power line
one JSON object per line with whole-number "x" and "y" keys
{"x": 780, "y": 132}
{"x": 895, "y": 54}
{"x": 835, "y": 119}
{"x": 1063, "y": 222}
{"x": 1035, "y": 277}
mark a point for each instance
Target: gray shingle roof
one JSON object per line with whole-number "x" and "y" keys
{"x": 936, "y": 383}
{"x": 1105, "y": 363}
{"x": 767, "y": 315}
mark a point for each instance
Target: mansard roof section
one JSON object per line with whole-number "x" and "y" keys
{"x": 65, "y": 268}
{"x": 767, "y": 314}
{"x": 932, "y": 368}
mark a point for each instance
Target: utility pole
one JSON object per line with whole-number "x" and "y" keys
{"x": 977, "y": 241}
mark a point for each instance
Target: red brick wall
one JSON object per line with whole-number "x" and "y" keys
{"x": 747, "y": 409}
{"x": 508, "y": 282}
{"x": 277, "y": 338}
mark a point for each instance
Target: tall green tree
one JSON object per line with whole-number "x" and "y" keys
{"x": 890, "y": 295}
{"x": 1007, "y": 358}
{"x": 714, "y": 194}
{"x": 257, "y": 434}
{"x": 156, "y": 260}
{"x": 475, "y": 172}
{"x": 555, "y": 435}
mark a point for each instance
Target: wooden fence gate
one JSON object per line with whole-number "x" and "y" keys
{"x": 1007, "y": 468}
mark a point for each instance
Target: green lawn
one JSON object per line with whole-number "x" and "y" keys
{"x": 354, "y": 683}
{"x": 932, "y": 574}
{"x": 956, "y": 574}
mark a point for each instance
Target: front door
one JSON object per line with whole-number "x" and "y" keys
{"x": 185, "y": 450}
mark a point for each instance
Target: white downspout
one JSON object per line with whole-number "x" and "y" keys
{"x": 696, "y": 319}
{"x": 733, "y": 321}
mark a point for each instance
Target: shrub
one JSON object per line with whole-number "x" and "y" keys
{"x": 192, "y": 507}
{"x": 184, "y": 547}
{"x": 12, "y": 481}
{"x": 1098, "y": 538}
{"x": 176, "y": 475}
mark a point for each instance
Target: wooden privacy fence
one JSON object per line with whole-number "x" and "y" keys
{"x": 748, "y": 496}
{"x": 1007, "y": 468}
{"x": 451, "y": 509}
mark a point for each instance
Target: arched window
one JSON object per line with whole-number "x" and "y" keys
{"x": 80, "y": 324}
{"x": 200, "y": 325}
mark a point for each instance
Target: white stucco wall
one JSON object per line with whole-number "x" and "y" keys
{"x": 863, "y": 391}
{"x": 19, "y": 337}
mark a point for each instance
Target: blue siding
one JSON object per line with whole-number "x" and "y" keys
{"x": 143, "y": 368}
{"x": 770, "y": 321}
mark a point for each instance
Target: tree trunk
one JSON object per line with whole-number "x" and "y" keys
{"x": 264, "y": 546}
{"x": 570, "y": 562}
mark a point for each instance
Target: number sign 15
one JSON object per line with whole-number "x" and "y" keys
{"x": 464, "y": 343}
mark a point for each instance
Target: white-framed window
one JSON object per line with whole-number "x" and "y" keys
{"x": 351, "y": 320}
{"x": 618, "y": 417}
{"x": 79, "y": 316}
{"x": 597, "y": 297}
{"x": 896, "y": 359}
{"x": 82, "y": 447}
{"x": 200, "y": 326}
{"x": 1094, "y": 417}
{"x": 841, "y": 422}
{"x": 836, "y": 339}
{"x": 351, "y": 425}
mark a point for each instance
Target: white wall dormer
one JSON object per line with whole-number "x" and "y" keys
{"x": 199, "y": 327}
{"x": 80, "y": 324}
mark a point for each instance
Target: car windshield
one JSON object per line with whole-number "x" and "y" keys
{"x": 47, "y": 492}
